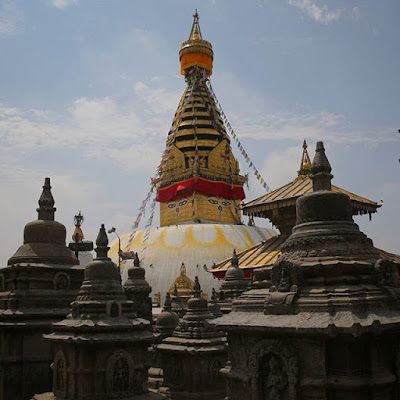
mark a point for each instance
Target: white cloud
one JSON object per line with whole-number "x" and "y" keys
{"x": 10, "y": 18}
{"x": 319, "y": 13}
{"x": 63, "y": 3}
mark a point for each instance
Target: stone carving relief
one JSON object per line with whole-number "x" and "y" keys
{"x": 61, "y": 281}
{"x": 59, "y": 374}
{"x": 119, "y": 373}
{"x": 273, "y": 370}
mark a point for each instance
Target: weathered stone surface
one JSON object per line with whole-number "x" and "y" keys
{"x": 101, "y": 347}
{"x": 325, "y": 308}
{"x": 36, "y": 288}
{"x": 192, "y": 357}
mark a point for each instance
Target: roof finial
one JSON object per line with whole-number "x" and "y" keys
{"x": 136, "y": 261}
{"x": 235, "y": 260}
{"x": 46, "y": 203}
{"x": 167, "y": 303}
{"x": 321, "y": 169}
{"x": 305, "y": 165}
{"x": 195, "y": 33}
{"x": 102, "y": 244}
{"x": 196, "y": 287}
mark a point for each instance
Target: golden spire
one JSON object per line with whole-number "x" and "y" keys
{"x": 305, "y": 165}
{"x": 196, "y": 50}
{"x": 195, "y": 33}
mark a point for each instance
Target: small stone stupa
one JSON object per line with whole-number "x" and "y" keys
{"x": 327, "y": 325}
{"x": 36, "y": 288}
{"x": 101, "y": 347}
{"x": 233, "y": 286}
{"x": 192, "y": 357}
{"x": 137, "y": 289}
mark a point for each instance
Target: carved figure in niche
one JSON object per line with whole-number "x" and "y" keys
{"x": 114, "y": 310}
{"x": 61, "y": 281}
{"x": 274, "y": 378}
{"x": 284, "y": 282}
{"x": 60, "y": 373}
{"x": 120, "y": 376}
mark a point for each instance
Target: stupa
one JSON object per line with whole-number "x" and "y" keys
{"x": 327, "y": 324}
{"x": 101, "y": 347}
{"x": 36, "y": 289}
{"x": 200, "y": 189}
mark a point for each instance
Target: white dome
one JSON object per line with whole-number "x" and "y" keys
{"x": 195, "y": 245}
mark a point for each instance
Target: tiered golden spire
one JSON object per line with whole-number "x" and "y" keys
{"x": 201, "y": 180}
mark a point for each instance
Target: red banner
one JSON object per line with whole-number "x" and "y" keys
{"x": 200, "y": 185}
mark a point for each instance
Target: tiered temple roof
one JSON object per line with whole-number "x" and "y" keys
{"x": 279, "y": 206}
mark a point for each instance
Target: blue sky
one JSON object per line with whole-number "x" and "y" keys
{"x": 89, "y": 89}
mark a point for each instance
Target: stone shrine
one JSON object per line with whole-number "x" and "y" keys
{"x": 192, "y": 357}
{"x": 101, "y": 347}
{"x": 36, "y": 288}
{"x": 137, "y": 289}
{"x": 327, "y": 324}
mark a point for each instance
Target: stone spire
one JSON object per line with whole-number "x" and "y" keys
{"x": 138, "y": 289}
{"x": 46, "y": 208}
{"x": 321, "y": 170}
{"x": 193, "y": 340}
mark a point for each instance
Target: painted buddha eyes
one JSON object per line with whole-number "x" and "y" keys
{"x": 180, "y": 203}
{"x": 216, "y": 200}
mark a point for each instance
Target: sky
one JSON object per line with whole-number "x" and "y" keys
{"x": 89, "y": 89}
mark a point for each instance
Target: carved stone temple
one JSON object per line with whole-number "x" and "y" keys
{"x": 138, "y": 289}
{"x": 192, "y": 357}
{"x": 327, "y": 324}
{"x": 36, "y": 288}
{"x": 101, "y": 347}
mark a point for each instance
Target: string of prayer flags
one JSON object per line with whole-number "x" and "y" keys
{"x": 238, "y": 143}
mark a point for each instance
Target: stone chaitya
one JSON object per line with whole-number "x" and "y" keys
{"x": 101, "y": 347}
{"x": 137, "y": 289}
{"x": 192, "y": 357}
{"x": 36, "y": 288}
{"x": 233, "y": 286}
{"x": 327, "y": 324}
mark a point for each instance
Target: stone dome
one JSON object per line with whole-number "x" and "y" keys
{"x": 167, "y": 320}
{"x": 195, "y": 245}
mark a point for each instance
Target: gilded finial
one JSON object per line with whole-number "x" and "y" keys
{"x": 305, "y": 165}
{"x": 77, "y": 235}
{"x": 195, "y": 33}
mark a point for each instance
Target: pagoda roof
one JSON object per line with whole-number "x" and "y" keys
{"x": 287, "y": 195}
{"x": 266, "y": 254}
